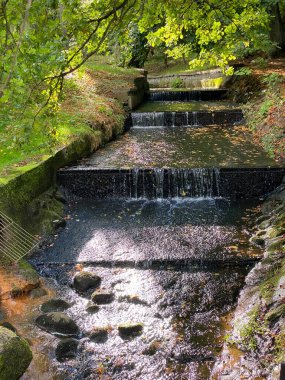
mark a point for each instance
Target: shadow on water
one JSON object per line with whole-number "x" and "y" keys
{"x": 145, "y": 231}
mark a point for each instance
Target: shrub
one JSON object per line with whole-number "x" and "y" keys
{"x": 176, "y": 83}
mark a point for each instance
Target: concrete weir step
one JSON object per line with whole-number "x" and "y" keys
{"x": 185, "y": 118}
{"x": 168, "y": 265}
{"x": 186, "y": 95}
{"x": 91, "y": 182}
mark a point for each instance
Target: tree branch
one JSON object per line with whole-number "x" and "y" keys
{"x": 110, "y": 13}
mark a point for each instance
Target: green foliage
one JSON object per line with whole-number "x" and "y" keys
{"x": 176, "y": 83}
{"x": 261, "y": 62}
{"x": 265, "y": 115}
{"x": 272, "y": 81}
{"x": 265, "y": 107}
{"x": 44, "y": 41}
{"x": 243, "y": 71}
{"x": 250, "y": 331}
{"x": 209, "y": 32}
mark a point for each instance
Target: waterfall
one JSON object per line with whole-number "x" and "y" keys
{"x": 192, "y": 119}
{"x": 187, "y": 96}
{"x": 159, "y": 182}
{"x": 148, "y": 119}
{"x": 169, "y": 183}
{"x": 185, "y": 118}
{"x": 172, "y": 96}
{"x": 135, "y": 173}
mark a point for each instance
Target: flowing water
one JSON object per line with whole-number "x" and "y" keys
{"x": 170, "y": 251}
{"x": 181, "y": 148}
{"x": 175, "y": 266}
{"x": 183, "y": 95}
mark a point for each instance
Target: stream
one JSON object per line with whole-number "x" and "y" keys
{"x": 171, "y": 265}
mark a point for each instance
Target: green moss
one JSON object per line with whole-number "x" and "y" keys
{"x": 15, "y": 355}
{"x": 264, "y": 225}
{"x": 28, "y": 272}
{"x": 249, "y": 331}
{"x": 275, "y": 231}
{"x": 276, "y": 313}
{"x": 33, "y": 180}
{"x": 270, "y": 283}
{"x": 279, "y": 351}
{"x": 37, "y": 147}
{"x": 278, "y": 245}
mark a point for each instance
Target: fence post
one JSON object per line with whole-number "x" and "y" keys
{"x": 282, "y": 371}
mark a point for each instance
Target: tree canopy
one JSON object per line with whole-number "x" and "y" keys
{"x": 43, "y": 41}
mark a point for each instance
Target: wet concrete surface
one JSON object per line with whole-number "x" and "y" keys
{"x": 141, "y": 233}
{"x": 182, "y": 147}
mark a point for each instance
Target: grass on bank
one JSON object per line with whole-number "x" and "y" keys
{"x": 260, "y": 85}
{"x": 156, "y": 66}
{"x": 89, "y": 106}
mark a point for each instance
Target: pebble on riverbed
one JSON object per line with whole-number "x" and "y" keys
{"x": 91, "y": 308}
{"x": 132, "y": 299}
{"x": 128, "y": 331}
{"x": 99, "y": 334}
{"x": 101, "y": 297}
{"x": 54, "y": 304}
{"x": 84, "y": 281}
{"x": 66, "y": 349}
{"x": 152, "y": 348}
{"x": 37, "y": 293}
{"x": 57, "y": 323}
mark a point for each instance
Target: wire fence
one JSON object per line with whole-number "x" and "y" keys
{"x": 15, "y": 241}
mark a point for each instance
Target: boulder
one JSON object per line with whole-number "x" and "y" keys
{"x": 99, "y": 334}
{"x": 259, "y": 241}
{"x": 101, "y": 298}
{"x": 127, "y": 331}
{"x": 84, "y": 281}
{"x": 37, "y": 293}
{"x": 132, "y": 299}
{"x": 8, "y": 326}
{"x": 152, "y": 348}
{"x": 91, "y": 308}
{"x": 66, "y": 349}
{"x": 57, "y": 323}
{"x": 54, "y": 304}
{"x": 15, "y": 355}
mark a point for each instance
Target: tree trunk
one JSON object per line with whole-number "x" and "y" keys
{"x": 277, "y": 32}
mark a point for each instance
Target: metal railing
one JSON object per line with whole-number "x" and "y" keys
{"x": 15, "y": 241}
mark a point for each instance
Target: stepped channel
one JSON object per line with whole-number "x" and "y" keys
{"x": 163, "y": 215}
{"x": 186, "y": 95}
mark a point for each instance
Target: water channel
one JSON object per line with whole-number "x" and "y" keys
{"x": 172, "y": 263}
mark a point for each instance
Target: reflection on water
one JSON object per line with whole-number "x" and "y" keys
{"x": 184, "y": 309}
{"x": 141, "y": 232}
{"x": 183, "y": 316}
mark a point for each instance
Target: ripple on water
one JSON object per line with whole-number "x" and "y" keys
{"x": 181, "y": 312}
{"x": 183, "y": 309}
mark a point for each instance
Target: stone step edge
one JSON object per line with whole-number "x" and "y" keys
{"x": 146, "y": 264}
